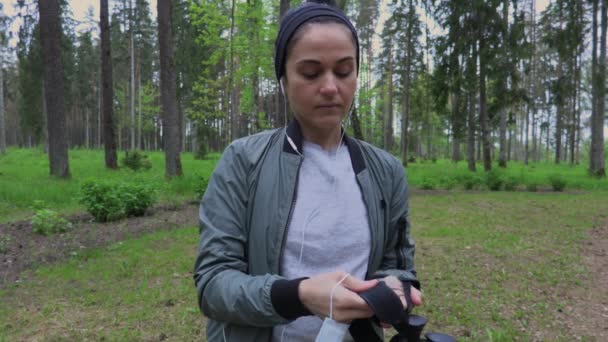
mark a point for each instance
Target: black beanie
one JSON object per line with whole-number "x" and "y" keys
{"x": 298, "y": 16}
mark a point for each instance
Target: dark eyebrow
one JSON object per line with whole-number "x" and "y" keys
{"x": 314, "y": 61}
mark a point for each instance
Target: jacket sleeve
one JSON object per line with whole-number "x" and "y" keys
{"x": 225, "y": 291}
{"x": 399, "y": 249}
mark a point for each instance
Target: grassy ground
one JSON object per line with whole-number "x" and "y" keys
{"x": 494, "y": 266}
{"x": 24, "y": 179}
{"x": 446, "y": 174}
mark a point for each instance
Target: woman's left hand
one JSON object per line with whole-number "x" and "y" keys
{"x": 396, "y": 285}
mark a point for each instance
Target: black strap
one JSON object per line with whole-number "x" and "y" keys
{"x": 387, "y": 306}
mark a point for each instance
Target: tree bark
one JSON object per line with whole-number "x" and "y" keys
{"x": 388, "y": 125}
{"x": 171, "y": 132}
{"x": 107, "y": 90}
{"x": 483, "y": 113}
{"x": 502, "y": 155}
{"x": 2, "y": 115}
{"x": 50, "y": 34}
{"x": 283, "y": 8}
{"x": 597, "y": 161}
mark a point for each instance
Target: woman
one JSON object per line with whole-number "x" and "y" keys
{"x": 294, "y": 216}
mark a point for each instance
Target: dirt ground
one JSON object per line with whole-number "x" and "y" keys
{"x": 27, "y": 249}
{"x": 587, "y": 316}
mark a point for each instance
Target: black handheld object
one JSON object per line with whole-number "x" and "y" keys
{"x": 388, "y": 308}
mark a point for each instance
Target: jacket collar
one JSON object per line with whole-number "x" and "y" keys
{"x": 294, "y": 132}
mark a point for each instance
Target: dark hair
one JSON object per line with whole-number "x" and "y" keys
{"x": 293, "y": 25}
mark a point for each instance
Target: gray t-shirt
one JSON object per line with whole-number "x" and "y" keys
{"x": 329, "y": 229}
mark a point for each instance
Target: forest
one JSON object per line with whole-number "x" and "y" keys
{"x": 115, "y": 114}
{"x": 464, "y": 80}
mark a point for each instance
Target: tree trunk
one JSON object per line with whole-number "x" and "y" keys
{"x": 107, "y": 90}
{"x": 598, "y": 167}
{"x": 471, "y": 132}
{"x": 356, "y": 124}
{"x": 283, "y": 7}
{"x": 483, "y": 113}
{"x": 50, "y": 36}
{"x": 597, "y": 163}
{"x": 455, "y": 127}
{"x": 388, "y": 125}
{"x": 502, "y": 155}
{"x": 132, "y": 77}
{"x": 2, "y": 120}
{"x": 171, "y": 132}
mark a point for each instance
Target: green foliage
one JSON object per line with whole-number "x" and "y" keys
{"x": 494, "y": 180}
{"x": 448, "y": 182}
{"x": 201, "y": 186}
{"x": 511, "y": 183}
{"x": 427, "y": 184}
{"x": 532, "y": 187}
{"x": 470, "y": 181}
{"x": 136, "y": 161}
{"x": 47, "y": 222}
{"x": 102, "y": 200}
{"x": 136, "y": 198}
{"x": 110, "y": 201}
{"x": 558, "y": 183}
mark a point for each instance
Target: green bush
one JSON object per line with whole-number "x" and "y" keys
{"x": 47, "y": 221}
{"x": 136, "y": 198}
{"x": 112, "y": 201}
{"x": 447, "y": 182}
{"x": 427, "y": 184}
{"x": 102, "y": 201}
{"x": 494, "y": 180}
{"x": 470, "y": 181}
{"x": 511, "y": 183}
{"x": 200, "y": 186}
{"x": 532, "y": 187}
{"x": 136, "y": 161}
{"x": 558, "y": 183}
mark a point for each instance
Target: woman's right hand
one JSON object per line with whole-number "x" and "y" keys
{"x": 315, "y": 294}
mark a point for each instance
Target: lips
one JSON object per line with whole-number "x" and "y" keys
{"x": 329, "y": 105}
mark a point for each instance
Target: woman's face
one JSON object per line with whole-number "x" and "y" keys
{"x": 321, "y": 76}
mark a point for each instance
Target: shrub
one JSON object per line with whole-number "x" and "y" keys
{"x": 511, "y": 183}
{"x": 494, "y": 180}
{"x": 109, "y": 202}
{"x": 102, "y": 201}
{"x": 427, "y": 184}
{"x": 47, "y": 221}
{"x": 136, "y": 198}
{"x": 200, "y": 186}
{"x": 558, "y": 183}
{"x": 448, "y": 182}
{"x": 532, "y": 187}
{"x": 136, "y": 161}
{"x": 201, "y": 151}
{"x": 470, "y": 181}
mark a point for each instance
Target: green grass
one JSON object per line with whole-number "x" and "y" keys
{"x": 444, "y": 173}
{"x": 495, "y": 266}
{"x": 24, "y": 178}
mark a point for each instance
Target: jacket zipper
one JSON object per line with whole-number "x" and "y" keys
{"x": 293, "y": 207}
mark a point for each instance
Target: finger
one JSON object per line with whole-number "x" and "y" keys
{"x": 352, "y": 314}
{"x": 385, "y": 325}
{"x": 356, "y": 285}
{"x": 416, "y": 296}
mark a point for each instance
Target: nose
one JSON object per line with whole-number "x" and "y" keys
{"x": 329, "y": 86}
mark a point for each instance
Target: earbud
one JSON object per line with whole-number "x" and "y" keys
{"x": 282, "y": 86}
